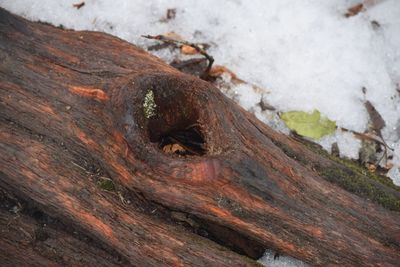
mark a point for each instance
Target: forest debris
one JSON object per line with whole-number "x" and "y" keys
{"x": 371, "y": 167}
{"x": 375, "y": 24}
{"x": 264, "y": 105}
{"x": 312, "y": 125}
{"x": 188, "y": 50}
{"x": 367, "y": 153}
{"x": 225, "y": 80}
{"x": 361, "y": 7}
{"x": 335, "y": 151}
{"x": 173, "y": 148}
{"x": 376, "y": 119}
{"x": 194, "y": 66}
{"x": 369, "y": 147}
{"x": 122, "y": 199}
{"x": 354, "y": 10}
{"x": 218, "y": 71}
{"x": 184, "y": 142}
{"x": 199, "y": 49}
{"x": 79, "y": 5}
{"x": 159, "y": 46}
{"x": 366, "y": 136}
{"x": 377, "y": 124}
{"x": 171, "y": 13}
{"x": 173, "y": 35}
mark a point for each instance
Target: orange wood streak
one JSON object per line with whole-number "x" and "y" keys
{"x": 120, "y": 145}
{"x": 89, "y": 92}
{"x": 63, "y": 55}
{"x": 83, "y": 137}
{"x": 252, "y": 202}
{"x": 46, "y": 109}
{"x": 315, "y": 231}
{"x": 226, "y": 215}
{"x": 72, "y": 205}
{"x": 204, "y": 172}
{"x": 87, "y": 218}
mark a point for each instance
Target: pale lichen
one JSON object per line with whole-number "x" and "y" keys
{"x": 149, "y": 105}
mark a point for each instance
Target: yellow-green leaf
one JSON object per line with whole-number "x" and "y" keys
{"x": 311, "y": 125}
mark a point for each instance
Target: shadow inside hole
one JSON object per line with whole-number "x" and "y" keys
{"x": 186, "y": 142}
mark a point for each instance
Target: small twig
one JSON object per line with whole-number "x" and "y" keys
{"x": 79, "y": 166}
{"x": 123, "y": 200}
{"x": 375, "y": 139}
{"x": 166, "y": 39}
{"x": 368, "y": 137}
{"x": 25, "y": 232}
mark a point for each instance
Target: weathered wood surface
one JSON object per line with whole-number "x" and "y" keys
{"x": 71, "y": 112}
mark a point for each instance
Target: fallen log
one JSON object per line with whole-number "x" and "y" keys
{"x": 159, "y": 168}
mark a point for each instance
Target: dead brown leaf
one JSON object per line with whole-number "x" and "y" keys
{"x": 79, "y": 5}
{"x": 188, "y": 50}
{"x": 171, "y": 13}
{"x": 371, "y": 167}
{"x": 174, "y": 36}
{"x": 173, "y": 148}
{"x": 377, "y": 121}
{"x": 218, "y": 71}
{"x": 354, "y": 10}
{"x": 264, "y": 105}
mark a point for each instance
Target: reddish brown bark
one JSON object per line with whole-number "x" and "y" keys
{"x": 72, "y": 112}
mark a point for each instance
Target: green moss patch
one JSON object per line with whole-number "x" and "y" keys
{"x": 106, "y": 184}
{"x": 351, "y": 176}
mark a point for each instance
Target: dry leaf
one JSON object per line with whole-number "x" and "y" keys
{"x": 312, "y": 125}
{"x": 377, "y": 121}
{"x": 265, "y": 105}
{"x": 79, "y": 5}
{"x": 188, "y": 50}
{"x": 218, "y": 71}
{"x": 371, "y": 167}
{"x": 173, "y": 148}
{"x": 335, "y": 150}
{"x": 174, "y": 36}
{"x": 354, "y": 10}
{"x": 171, "y": 13}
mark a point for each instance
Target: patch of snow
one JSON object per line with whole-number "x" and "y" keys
{"x": 246, "y": 96}
{"x": 394, "y": 172}
{"x": 347, "y": 143}
{"x": 306, "y": 53}
{"x": 269, "y": 259}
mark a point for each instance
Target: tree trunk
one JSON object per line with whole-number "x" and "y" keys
{"x": 88, "y": 126}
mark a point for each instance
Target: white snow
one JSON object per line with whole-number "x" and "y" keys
{"x": 348, "y": 144}
{"x": 305, "y": 54}
{"x": 271, "y": 260}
